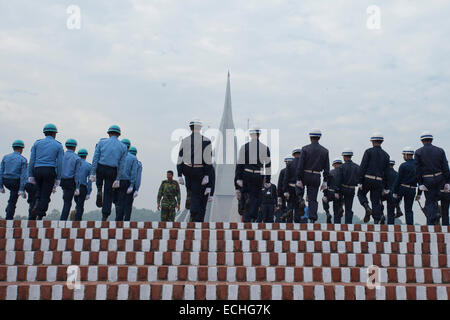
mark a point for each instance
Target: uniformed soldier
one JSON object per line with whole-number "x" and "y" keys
{"x": 138, "y": 180}
{"x": 405, "y": 184}
{"x": 107, "y": 164}
{"x": 292, "y": 193}
{"x": 445, "y": 202}
{"x": 169, "y": 198}
{"x": 83, "y": 184}
{"x": 195, "y": 163}
{"x": 252, "y": 167}
{"x": 388, "y": 197}
{"x": 313, "y": 160}
{"x": 346, "y": 180}
{"x": 31, "y": 191}
{"x": 127, "y": 143}
{"x": 13, "y": 176}
{"x": 330, "y": 194}
{"x": 127, "y": 186}
{"x": 432, "y": 174}
{"x": 268, "y": 202}
{"x": 70, "y": 169}
{"x": 373, "y": 175}
{"x": 45, "y": 168}
{"x": 281, "y": 200}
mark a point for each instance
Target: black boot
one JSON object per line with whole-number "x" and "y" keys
{"x": 327, "y": 212}
{"x": 99, "y": 201}
{"x": 368, "y": 213}
{"x": 104, "y": 217}
{"x": 383, "y": 219}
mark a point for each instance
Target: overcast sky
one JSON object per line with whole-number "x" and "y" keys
{"x": 150, "y": 66}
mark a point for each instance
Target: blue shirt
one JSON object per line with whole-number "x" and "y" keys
{"x": 14, "y": 166}
{"x": 375, "y": 162}
{"x": 406, "y": 175}
{"x": 139, "y": 176}
{"x": 71, "y": 165}
{"x": 430, "y": 160}
{"x": 130, "y": 169}
{"x": 109, "y": 152}
{"x": 46, "y": 152}
{"x": 82, "y": 177}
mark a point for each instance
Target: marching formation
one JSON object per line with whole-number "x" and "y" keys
{"x": 115, "y": 169}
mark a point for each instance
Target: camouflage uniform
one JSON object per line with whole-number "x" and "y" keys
{"x": 168, "y": 191}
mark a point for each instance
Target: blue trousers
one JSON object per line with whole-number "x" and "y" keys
{"x": 106, "y": 176}
{"x": 445, "y": 202}
{"x": 267, "y": 213}
{"x": 252, "y": 185}
{"x": 13, "y": 186}
{"x": 122, "y": 202}
{"x": 31, "y": 190}
{"x": 68, "y": 186}
{"x": 434, "y": 186}
{"x": 194, "y": 177}
{"x": 375, "y": 187}
{"x": 45, "y": 180}
{"x": 79, "y": 200}
{"x": 408, "y": 195}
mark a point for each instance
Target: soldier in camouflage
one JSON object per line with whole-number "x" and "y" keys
{"x": 169, "y": 198}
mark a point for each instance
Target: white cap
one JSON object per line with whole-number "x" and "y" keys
{"x": 289, "y": 158}
{"x": 315, "y": 133}
{"x": 347, "y": 152}
{"x": 296, "y": 150}
{"x": 408, "y": 150}
{"x": 337, "y": 160}
{"x": 377, "y": 136}
{"x": 195, "y": 122}
{"x": 426, "y": 135}
{"x": 254, "y": 129}
{"x": 392, "y": 162}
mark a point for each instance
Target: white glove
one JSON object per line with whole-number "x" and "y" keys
{"x": 386, "y": 191}
{"x": 116, "y": 184}
{"x": 135, "y": 194}
{"x": 324, "y": 186}
{"x": 77, "y": 192}
{"x": 267, "y": 185}
{"x": 395, "y": 196}
{"x": 205, "y": 180}
{"x": 54, "y": 189}
{"x": 2, "y": 190}
{"x": 130, "y": 190}
{"x": 210, "y": 199}
{"x": 238, "y": 195}
{"x": 447, "y": 187}
{"x": 31, "y": 180}
{"x": 22, "y": 194}
{"x": 325, "y": 199}
{"x": 240, "y": 183}
{"x": 279, "y": 201}
{"x": 87, "y": 197}
{"x": 181, "y": 180}
{"x": 423, "y": 188}
{"x": 337, "y": 196}
{"x": 360, "y": 187}
{"x": 57, "y": 182}
{"x": 286, "y": 195}
{"x": 418, "y": 197}
{"x": 207, "y": 191}
{"x": 299, "y": 184}
{"x": 92, "y": 178}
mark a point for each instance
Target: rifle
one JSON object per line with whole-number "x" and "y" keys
{"x": 422, "y": 208}
{"x": 439, "y": 215}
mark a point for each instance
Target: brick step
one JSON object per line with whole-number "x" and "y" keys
{"x": 222, "y": 246}
{"x": 204, "y": 234}
{"x": 222, "y": 225}
{"x": 223, "y": 273}
{"x": 221, "y": 291}
{"x": 222, "y": 259}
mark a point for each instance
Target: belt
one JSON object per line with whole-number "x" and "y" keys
{"x": 311, "y": 171}
{"x": 194, "y": 165}
{"x": 252, "y": 171}
{"x": 373, "y": 177}
{"x": 432, "y": 175}
{"x": 292, "y": 185}
{"x": 407, "y": 186}
{"x": 346, "y": 186}
{"x": 332, "y": 190}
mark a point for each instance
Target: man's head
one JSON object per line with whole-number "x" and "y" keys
{"x": 83, "y": 154}
{"x": 18, "y": 146}
{"x": 169, "y": 175}
{"x": 426, "y": 138}
{"x": 288, "y": 159}
{"x": 297, "y": 152}
{"x": 254, "y": 133}
{"x": 71, "y": 144}
{"x": 315, "y": 135}
{"x": 347, "y": 154}
{"x": 126, "y": 142}
{"x": 392, "y": 163}
{"x": 114, "y": 130}
{"x": 337, "y": 163}
{"x": 377, "y": 139}
{"x": 408, "y": 153}
{"x": 195, "y": 125}
{"x": 50, "y": 130}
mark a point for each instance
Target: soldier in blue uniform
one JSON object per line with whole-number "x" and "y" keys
{"x": 432, "y": 174}
{"x": 45, "y": 168}
{"x": 108, "y": 162}
{"x": 83, "y": 184}
{"x": 346, "y": 180}
{"x": 313, "y": 160}
{"x": 392, "y": 204}
{"x": 127, "y": 143}
{"x": 330, "y": 194}
{"x": 292, "y": 193}
{"x": 281, "y": 199}
{"x": 127, "y": 182}
{"x": 195, "y": 163}
{"x": 70, "y": 169}
{"x": 13, "y": 176}
{"x": 373, "y": 175}
{"x": 268, "y": 202}
{"x": 252, "y": 167}
{"x": 405, "y": 184}
{"x": 31, "y": 191}
{"x": 138, "y": 180}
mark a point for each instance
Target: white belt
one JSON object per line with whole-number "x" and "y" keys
{"x": 407, "y": 186}
{"x": 194, "y": 165}
{"x": 432, "y": 175}
{"x": 373, "y": 177}
{"x": 292, "y": 185}
{"x": 346, "y": 186}
{"x": 252, "y": 171}
{"x": 311, "y": 171}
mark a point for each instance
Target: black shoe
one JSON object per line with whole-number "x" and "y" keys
{"x": 104, "y": 217}
{"x": 383, "y": 220}
{"x": 99, "y": 201}
{"x": 341, "y": 213}
{"x": 328, "y": 217}
{"x": 368, "y": 213}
